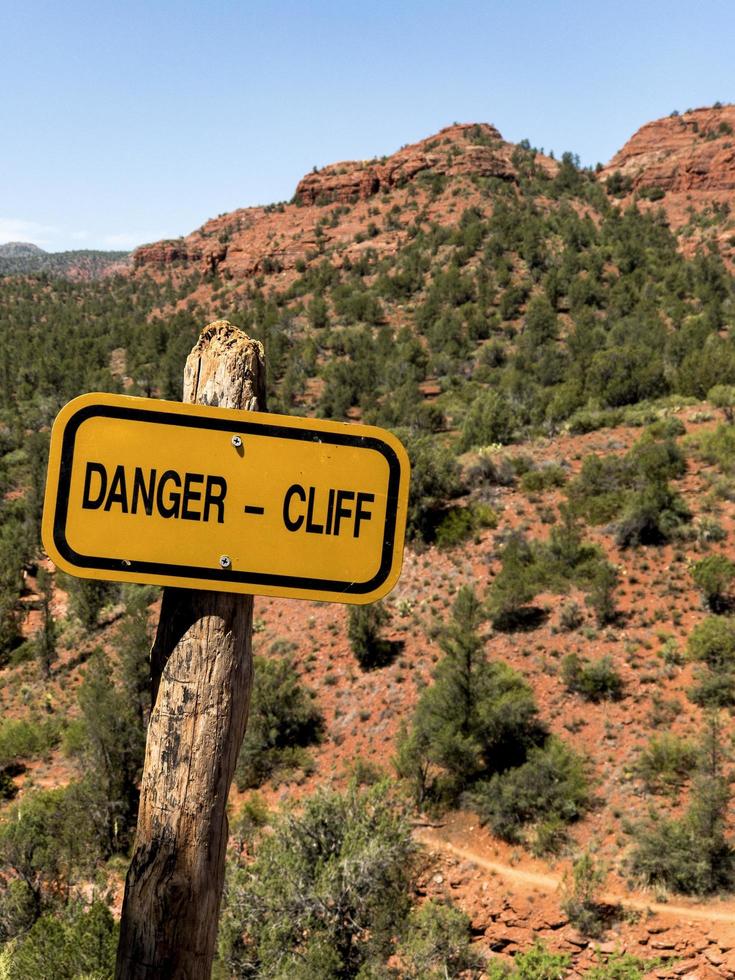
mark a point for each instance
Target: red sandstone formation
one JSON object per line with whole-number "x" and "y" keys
{"x": 686, "y": 165}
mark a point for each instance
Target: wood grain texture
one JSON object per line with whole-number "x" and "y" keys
{"x": 201, "y": 665}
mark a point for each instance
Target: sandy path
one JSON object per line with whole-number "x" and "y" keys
{"x": 699, "y": 912}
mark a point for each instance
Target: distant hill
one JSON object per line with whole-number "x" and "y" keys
{"x": 20, "y": 250}
{"x": 24, "y": 258}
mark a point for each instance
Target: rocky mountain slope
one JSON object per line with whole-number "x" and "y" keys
{"x": 684, "y": 163}
{"x": 24, "y": 258}
{"x": 277, "y": 241}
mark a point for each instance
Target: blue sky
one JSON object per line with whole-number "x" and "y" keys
{"x": 124, "y": 122}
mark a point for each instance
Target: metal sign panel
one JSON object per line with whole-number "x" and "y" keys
{"x": 141, "y": 490}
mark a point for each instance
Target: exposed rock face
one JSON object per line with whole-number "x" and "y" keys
{"x": 460, "y": 149}
{"x": 691, "y": 152}
{"x": 165, "y": 253}
{"x": 276, "y": 240}
{"x": 684, "y": 164}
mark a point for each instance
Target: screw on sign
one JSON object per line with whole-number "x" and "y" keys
{"x": 216, "y": 504}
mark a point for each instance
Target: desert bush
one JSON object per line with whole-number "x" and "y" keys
{"x": 80, "y": 943}
{"x": 543, "y": 478}
{"x": 490, "y": 469}
{"x": 22, "y": 739}
{"x": 713, "y": 642}
{"x": 692, "y": 854}
{"x": 723, "y": 396}
{"x": 364, "y": 625}
{"x": 537, "y": 963}
{"x": 283, "y": 720}
{"x": 601, "y": 595}
{"x": 570, "y": 616}
{"x": 550, "y": 785}
{"x": 515, "y": 585}
{"x": 580, "y": 903}
{"x": 327, "y": 891}
{"x": 712, "y": 688}
{"x": 434, "y": 481}
{"x": 717, "y": 447}
{"x": 47, "y": 842}
{"x": 459, "y": 523}
{"x": 713, "y": 576}
{"x": 109, "y": 741}
{"x": 437, "y": 945}
{"x": 87, "y": 597}
{"x": 595, "y": 680}
{"x": 491, "y": 418}
{"x": 666, "y": 762}
{"x": 622, "y": 966}
{"x": 635, "y": 488}
{"x": 653, "y": 516}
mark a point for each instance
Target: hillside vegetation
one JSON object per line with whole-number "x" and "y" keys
{"x": 20, "y": 259}
{"x": 559, "y": 657}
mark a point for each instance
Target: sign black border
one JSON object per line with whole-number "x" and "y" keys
{"x": 243, "y": 427}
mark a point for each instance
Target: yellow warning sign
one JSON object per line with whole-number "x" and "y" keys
{"x": 141, "y": 490}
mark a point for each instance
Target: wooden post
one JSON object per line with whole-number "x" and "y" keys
{"x": 201, "y": 664}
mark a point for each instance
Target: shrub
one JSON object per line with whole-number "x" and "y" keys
{"x": 636, "y": 486}
{"x": 717, "y": 447}
{"x": 80, "y": 943}
{"x": 515, "y": 585}
{"x": 45, "y": 639}
{"x": 601, "y": 595}
{"x": 622, "y": 966}
{"x": 46, "y": 841}
{"x": 713, "y": 642}
{"x": 460, "y": 523}
{"x": 551, "y": 784}
{"x": 489, "y": 419}
{"x": 21, "y": 739}
{"x": 595, "y": 680}
{"x": 434, "y": 481}
{"x": 713, "y": 688}
{"x": 723, "y": 396}
{"x": 326, "y": 893}
{"x": 691, "y": 854}
{"x": 87, "y": 597}
{"x": 544, "y": 478}
{"x": 570, "y": 616}
{"x": 672, "y": 854}
{"x": 111, "y": 747}
{"x": 599, "y": 492}
{"x": 713, "y": 576}
{"x": 653, "y": 516}
{"x": 437, "y": 944}
{"x": 252, "y": 816}
{"x": 666, "y": 762}
{"x": 283, "y": 720}
{"x": 580, "y": 904}
{"x": 537, "y": 963}
{"x": 364, "y": 624}
{"x": 489, "y": 469}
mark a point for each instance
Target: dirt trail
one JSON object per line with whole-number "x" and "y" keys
{"x": 700, "y": 913}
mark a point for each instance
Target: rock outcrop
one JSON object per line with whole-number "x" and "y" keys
{"x": 684, "y": 164}
{"x": 277, "y": 239}
{"x": 469, "y": 149}
{"x": 694, "y": 151}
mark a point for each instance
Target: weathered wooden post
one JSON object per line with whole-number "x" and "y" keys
{"x": 201, "y": 664}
